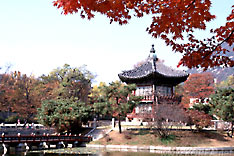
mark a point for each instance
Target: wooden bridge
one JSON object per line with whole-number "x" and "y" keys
{"x": 42, "y": 140}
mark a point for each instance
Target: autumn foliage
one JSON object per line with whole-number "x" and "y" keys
{"x": 23, "y": 95}
{"x": 199, "y": 86}
{"x": 172, "y": 21}
{"x": 199, "y": 119}
{"x": 19, "y": 94}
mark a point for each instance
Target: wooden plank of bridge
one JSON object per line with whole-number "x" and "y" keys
{"x": 42, "y": 138}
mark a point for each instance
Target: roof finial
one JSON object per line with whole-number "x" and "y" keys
{"x": 152, "y": 49}
{"x": 153, "y": 54}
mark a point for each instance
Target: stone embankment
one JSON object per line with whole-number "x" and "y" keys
{"x": 160, "y": 149}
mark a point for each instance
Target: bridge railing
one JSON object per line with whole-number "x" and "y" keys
{"x": 21, "y": 126}
{"x": 42, "y": 138}
{"x": 27, "y": 129}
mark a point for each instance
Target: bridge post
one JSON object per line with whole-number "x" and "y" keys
{"x": 22, "y": 146}
{"x": 113, "y": 123}
{"x": 19, "y": 137}
{"x": 75, "y": 144}
{"x": 44, "y": 145}
{"x": 27, "y": 146}
{"x": 95, "y": 123}
{"x": 60, "y": 144}
{"x": 6, "y": 148}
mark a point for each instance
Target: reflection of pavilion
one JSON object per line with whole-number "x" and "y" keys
{"x": 155, "y": 82}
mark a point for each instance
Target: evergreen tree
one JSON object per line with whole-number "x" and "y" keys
{"x": 223, "y": 105}
{"x": 66, "y": 115}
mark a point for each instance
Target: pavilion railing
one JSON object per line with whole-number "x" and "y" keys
{"x": 169, "y": 99}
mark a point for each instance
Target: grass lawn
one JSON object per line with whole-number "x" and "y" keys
{"x": 178, "y": 138}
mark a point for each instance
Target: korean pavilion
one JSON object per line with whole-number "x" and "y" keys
{"x": 155, "y": 83}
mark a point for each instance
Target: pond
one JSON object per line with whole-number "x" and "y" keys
{"x": 104, "y": 152}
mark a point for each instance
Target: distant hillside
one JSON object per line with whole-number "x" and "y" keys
{"x": 219, "y": 73}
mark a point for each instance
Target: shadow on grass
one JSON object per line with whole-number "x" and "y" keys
{"x": 219, "y": 136}
{"x": 186, "y": 136}
{"x": 140, "y": 132}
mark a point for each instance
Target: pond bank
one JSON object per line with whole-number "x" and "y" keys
{"x": 161, "y": 148}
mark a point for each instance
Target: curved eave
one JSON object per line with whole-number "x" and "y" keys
{"x": 154, "y": 77}
{"x": 129, "y": 79}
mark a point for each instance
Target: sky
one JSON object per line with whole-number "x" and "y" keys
{"x": 36, "y": 38}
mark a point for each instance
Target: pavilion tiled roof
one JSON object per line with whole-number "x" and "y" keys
{"x": 152, "y": 69}
{"x": 148, "y": 69}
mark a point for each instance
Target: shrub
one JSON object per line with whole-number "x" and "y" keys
{"x": 12, "y": 119}
{"x": 2, "y": 119}
{"x": 199, "y": 119}
{"x": 166, "y": 140}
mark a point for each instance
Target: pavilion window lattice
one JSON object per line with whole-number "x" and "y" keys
{"x": 163, "y": 91}
{"x": 144, "y": 91}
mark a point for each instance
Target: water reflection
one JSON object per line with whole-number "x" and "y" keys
{"x": 162, "y": 154}
{"x": 104, "y": 152}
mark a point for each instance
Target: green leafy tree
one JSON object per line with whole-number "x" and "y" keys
{"x": 65, "y": 115}
{"x": 179, "y": 90}
{"x": 102, "y": 108}
{"x": 206, "y": 108}
{"x": 223, "y": 105}
{"x": 229, "y": 82}
{"x": 67, "y": 106}
{"x": 116, "y": 100}
{"x": 98, "y": 93}
{"x": 121, "y": 99}
{"x": 72, "y": 82}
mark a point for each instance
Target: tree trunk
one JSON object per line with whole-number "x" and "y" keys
{"x": 228, "y": 133}
{"x": 117, "y": 102}
{"x": 232, "y": 128}
{"x": 120, "y": 130}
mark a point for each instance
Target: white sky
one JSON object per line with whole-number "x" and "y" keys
{"x": 35, "y": 39}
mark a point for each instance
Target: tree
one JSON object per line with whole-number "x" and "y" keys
{"x": 66, "y": 106}
{"x": 66, "y": 115}
{"x": 179, "y": 90}
{"x": 5, "y": 89}
{"x": 199, "y": 86}
{"x": 98, "y": 93}
{"x": 229, "y": 82}
{"x": 206, "y": 108}
{"x": 199, "y": 118}
{"x": 120, "y": 100}
{"x": 165, "y": 115}
{"x": 223, "y": 105}
{"x": 172, "y": 21}
{"x": 18, "y": 94}
{"x": 70, "y": 82}
{"x": 101, "y": 106}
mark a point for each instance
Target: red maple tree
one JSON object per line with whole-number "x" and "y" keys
{"x": 200, "y": 85}
{"x": 172, "y": 20}
{"x": 199, "y": 119}
{"x": 18, "y": 94}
